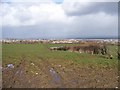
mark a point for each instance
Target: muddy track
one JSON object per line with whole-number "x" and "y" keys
{"x": 16, "y": 75}
{"x": 50, "y": 75}
{"x": 56, "y": 79}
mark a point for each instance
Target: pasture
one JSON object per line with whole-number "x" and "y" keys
{"x": 34, "y": 62}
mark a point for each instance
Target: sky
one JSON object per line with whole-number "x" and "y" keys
{"x": 58, "y": 19}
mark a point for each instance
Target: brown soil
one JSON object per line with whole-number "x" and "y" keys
{"x": 50, "y": 74}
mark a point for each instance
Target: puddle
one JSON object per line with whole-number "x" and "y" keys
{"x": 55, "y": 77}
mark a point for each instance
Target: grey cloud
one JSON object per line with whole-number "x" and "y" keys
{"x": 77, "y": 9}
{"x": 45, "y": 30}
{"x": 94, "y": 25}
{"x": 58, "y": 30}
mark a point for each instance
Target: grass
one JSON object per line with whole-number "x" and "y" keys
{"x": 13, "y": 53}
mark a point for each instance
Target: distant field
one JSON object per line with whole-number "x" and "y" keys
{"x": 65, "y": 63}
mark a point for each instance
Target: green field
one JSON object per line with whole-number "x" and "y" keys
{"x": 33, "y": 64}
{"x": 13, "y": 52}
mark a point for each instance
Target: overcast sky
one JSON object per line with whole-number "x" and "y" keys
{"x": 58, "y": 19}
